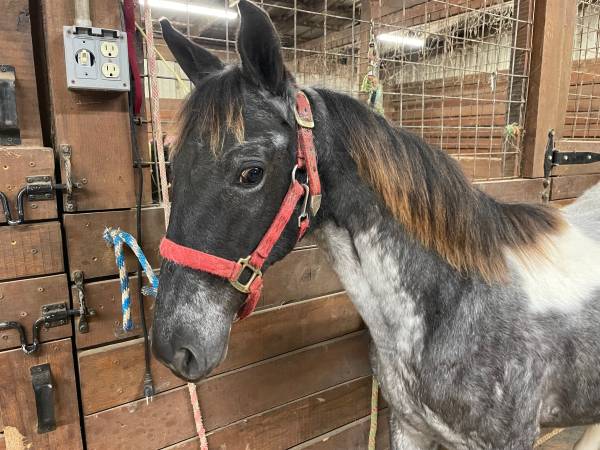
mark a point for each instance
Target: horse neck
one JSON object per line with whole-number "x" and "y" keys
{"x": 389, "y": 276}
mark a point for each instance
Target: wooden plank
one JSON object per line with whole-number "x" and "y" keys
{"x": 517, "y": 190}
{"x": 32, "y": 249}
{"x": 17, "y": 401}
{"x": 549, "y": 79}
{"x": 18, "y": 163}
{"x": 88, "y": 251}
{"x": 95, "y": 124}
{"x": 572, "y": 186}
{"x": 106, "y": 326}
{"x": 354, "y": 435}
{"x": 111, "y": 375}
{"x": 16, "y": 50}
{"x": 566, "y": 145}
{"x": 295, "y": 422}
{"x": 561, "y": 203}
{"x": 22, "y": 301}
{"x": 303, "y": 274}
{"x": 231, "y": 396}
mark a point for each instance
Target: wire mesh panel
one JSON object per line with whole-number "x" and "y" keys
{"x": 583, "y": 108}
{"x": 452, "y": 71}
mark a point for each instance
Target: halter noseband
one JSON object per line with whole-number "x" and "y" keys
{"x": 310, "y": 194}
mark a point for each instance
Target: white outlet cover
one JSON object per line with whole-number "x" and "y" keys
{"x": 107, "y": 65}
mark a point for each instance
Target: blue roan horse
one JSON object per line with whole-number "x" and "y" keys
{"x": 484, "y": 316}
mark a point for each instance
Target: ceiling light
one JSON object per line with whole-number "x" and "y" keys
{"x": 191, "y": 9}
{"x": 400, "y": 39}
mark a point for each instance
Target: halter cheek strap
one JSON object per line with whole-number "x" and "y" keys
{"x": 251, "y": 265}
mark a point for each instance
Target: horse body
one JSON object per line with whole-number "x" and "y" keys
{"x": 483, "y": 315}
{"x": 462, "y": 362}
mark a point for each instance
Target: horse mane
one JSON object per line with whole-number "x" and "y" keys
{"x": 426, "y": 191}
{"x": 213, "y": 109}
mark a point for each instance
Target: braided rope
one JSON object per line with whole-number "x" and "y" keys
{"x": 545, "y": 438}
{"x": 116, "y": 238}
{"x": 155, "y": 107}
{"x": 374, "y": 409}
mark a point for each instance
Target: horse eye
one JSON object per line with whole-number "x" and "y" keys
{"x": 251, "y": 175}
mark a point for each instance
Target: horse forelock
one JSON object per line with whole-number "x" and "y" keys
{"x": 212, "y": 111}
{"x": 426, "y": 192}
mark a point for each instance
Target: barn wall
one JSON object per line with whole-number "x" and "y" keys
{"x": 32, "y": 269}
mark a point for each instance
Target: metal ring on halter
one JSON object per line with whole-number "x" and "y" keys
{"x": 294, "y": 170}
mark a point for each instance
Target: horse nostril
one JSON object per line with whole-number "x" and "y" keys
{"x": 186, "y": 363}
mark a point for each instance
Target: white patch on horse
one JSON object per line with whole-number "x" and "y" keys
{"x": 370, "y": 273}
{"x": 565, "y": 278}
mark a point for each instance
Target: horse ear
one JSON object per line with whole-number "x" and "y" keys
{"x": 195, "y": 61}
{"x": 259, "y": 48}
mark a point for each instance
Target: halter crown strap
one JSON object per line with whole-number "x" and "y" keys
{"x": 233, "y": 270}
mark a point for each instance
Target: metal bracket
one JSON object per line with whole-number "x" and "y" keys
{"x": 84, "y": 312}
{"x": 554, "y": 157}
{"x": 43, "y": 389}
{"x": 40, "y": 188}
{"x": 10, "y": 134}
{"x": 70, "y": 184}
{"x": 53, "y": 315}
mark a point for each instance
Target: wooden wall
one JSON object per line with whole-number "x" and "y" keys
{"x": 32, "y": 269}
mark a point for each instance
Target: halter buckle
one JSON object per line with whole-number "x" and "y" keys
{"x": 303, "y": 122}
{"x": 256, "y": 273}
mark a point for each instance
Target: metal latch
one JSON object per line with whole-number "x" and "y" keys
{"x": 36, "y": 188}
{"x": 43, "y": 389}
{"x": 53, "y": 315}
{"x": 10, "y": 134}
{"x": 70, "y": 183}
{"x": 84, "y": 312}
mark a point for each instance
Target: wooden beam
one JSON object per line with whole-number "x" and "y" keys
{"x": 549, "y": 79}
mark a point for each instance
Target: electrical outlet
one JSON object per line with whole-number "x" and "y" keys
{"x": 110, "y": 70}
{"x": 109, "y": 49}
{"x": 96, "y": 59}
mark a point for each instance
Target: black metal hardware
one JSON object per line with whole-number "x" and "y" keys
{"x": 37, "y": 188}
{"x": 53, "y": 315}
{"x": 84, "y": 312}
{"x": 10, "y": 134}
{"x": 554, "y": 157}
{"x": 43, "y": 389}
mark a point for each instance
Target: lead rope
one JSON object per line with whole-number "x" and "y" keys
{"x": 162, "y": 171}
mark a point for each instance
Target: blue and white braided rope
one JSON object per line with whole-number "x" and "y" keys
{"x": 116, "y": 238}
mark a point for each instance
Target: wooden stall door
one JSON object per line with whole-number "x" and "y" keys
{"x": 18, "y": 404}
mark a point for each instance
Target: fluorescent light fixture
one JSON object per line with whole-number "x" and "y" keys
{"x": 401, "y": 39}
{"x": 191, "y": 9}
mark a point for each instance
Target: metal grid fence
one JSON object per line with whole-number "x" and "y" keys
{"x": 452, "y": 71}
{"x": 583, "y": 108}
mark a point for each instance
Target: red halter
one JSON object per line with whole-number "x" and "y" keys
{"x": 305, "y": 159}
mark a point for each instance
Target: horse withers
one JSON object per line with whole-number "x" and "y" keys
{"x": 483, "y": 315}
